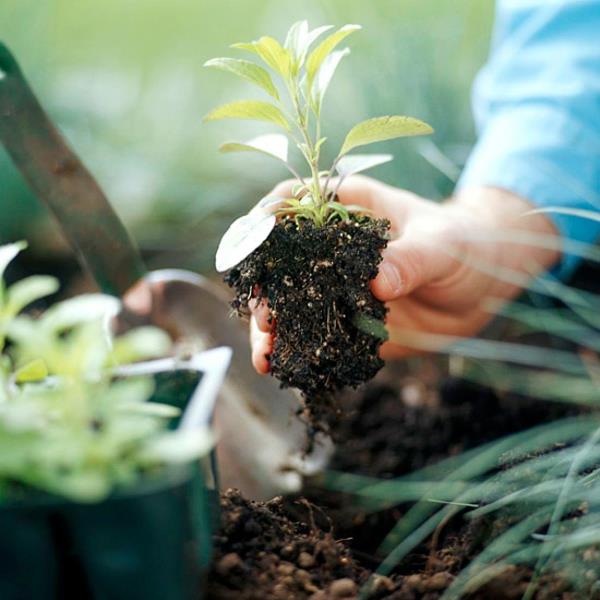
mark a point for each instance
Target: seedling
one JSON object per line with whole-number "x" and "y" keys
{"x": 310, "y": 256}
{"x": 67, "y": 427}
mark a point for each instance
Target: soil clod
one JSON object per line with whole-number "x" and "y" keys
{"x": 286, "y": 559}
{"x": 316, "y": 283}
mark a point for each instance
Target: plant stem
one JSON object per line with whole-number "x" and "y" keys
{"x": 311, "y": 154}
{"x": 328, "y": 179}
{"x": 295, "y": 174}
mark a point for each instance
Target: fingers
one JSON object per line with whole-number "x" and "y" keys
{"x": 414, "y": 260}
{"x": 382, "y": 200}
{"x": 284, "y": 189}
{"x": 388, "y": 283}
{"x": 262, "y": 345}
{"x": 261, "y": 340}
{"x": 138, "y": 299}
{"x": 261, "y": 314}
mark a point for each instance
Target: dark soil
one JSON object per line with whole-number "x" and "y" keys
{"x": 399, "y": 423}
{"x": 273, "y": 551}
{"x": 262, "y": 553}
{"x": 316, "y": 281}
{"x": 266, "y": 551}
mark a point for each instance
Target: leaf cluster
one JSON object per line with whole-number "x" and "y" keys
{"x": 303, "y": 73}
{"x": 67, "y": 427}
{"x": 296, "y": 75}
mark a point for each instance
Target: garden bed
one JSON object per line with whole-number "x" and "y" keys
{"x": 322, "y": 546}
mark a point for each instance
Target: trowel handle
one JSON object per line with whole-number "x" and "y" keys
{"x": 59, "y": 179}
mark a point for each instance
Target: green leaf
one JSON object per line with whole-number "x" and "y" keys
{"x": 319, "y": 143}
{"x": 295, "y": 36}
{"x": 246, "y": 70}
{"x": 292, "y": 202}
{"x": 181, "y": 446}
{"x": 272, "y": 53}
{"x": 140, "y": 343}
{"x": 152, "y": 409}
{"x": 298, "y": 41}
{"x": 371, "y": 326}
{"x": 380, "y": 129}
{"x": 272, "y": 144}
{"x": 129, "y": 390}
{"x": 314, "y": 34}
{"x": 26, "y": 291}
{"x": 78, "y": 310}
{"x": 23, "y": 330}
{"x": 355, "y": 163}
{"x": 248, "y": 46}
{"x": 81, "y": 486}
{"x": 249, "y": 109}
{"x": 8, "y": 253}
{"x": 295, "y": 42}
{"x": 32, "y": 371}
{"x": 320, "y": 53}
{"x": 325, "y": 74}
{"x": 337, "y": 209}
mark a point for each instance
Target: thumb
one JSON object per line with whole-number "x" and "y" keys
{"x": 409, "y": 263}
{"x": 284, "y": 188}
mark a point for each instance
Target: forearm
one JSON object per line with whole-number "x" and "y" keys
{"x": 536, "y": 110}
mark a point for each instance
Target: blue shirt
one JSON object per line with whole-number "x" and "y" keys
{"x": 537, "y": 108}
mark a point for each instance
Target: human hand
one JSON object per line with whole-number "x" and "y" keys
{"x": 443, "y": 260}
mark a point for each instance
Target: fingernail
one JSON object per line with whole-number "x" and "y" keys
{"x": 390, "y": 274}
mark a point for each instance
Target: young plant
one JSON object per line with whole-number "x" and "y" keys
{"x": 67, "y": 427}
{"x": 310, "y": 256}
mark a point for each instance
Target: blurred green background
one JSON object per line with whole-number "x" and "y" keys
{"x": 124, "y": 80}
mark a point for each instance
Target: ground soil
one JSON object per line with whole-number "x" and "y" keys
{"x": 263, "y": 552}
{"x": 316, "y": 283}
{"x": 401, "y": 423}
{"x": 398, "y": 423}
{"x": 410, "y": 416}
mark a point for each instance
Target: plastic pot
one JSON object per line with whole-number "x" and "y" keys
{"x": 150, "y": 542}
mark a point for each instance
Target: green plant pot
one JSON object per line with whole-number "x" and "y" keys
{"x": 151, "y": 542}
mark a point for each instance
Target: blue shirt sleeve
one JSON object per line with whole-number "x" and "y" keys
{"x": 537, "y": 109}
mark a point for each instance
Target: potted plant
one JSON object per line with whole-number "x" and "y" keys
{"x": 101, "y": 491}
{"x": 308, "y": 256}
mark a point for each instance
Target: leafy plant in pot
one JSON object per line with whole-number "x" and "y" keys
{"x": 308, "y": 256}
{"x": 100, "y": 496}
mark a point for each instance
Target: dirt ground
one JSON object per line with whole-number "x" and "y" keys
{"x": 321, "y": 546}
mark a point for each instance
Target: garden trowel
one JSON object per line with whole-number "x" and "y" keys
{"x": 262, "y": 442}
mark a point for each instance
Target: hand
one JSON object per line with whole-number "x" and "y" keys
{"x": 442, "y": 263}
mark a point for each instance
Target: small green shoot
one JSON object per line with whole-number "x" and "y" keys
{"x": 296, "y": 77}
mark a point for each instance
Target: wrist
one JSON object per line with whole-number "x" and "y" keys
{"x": 524, "y": 244}
{"x": 508, "y": 218}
